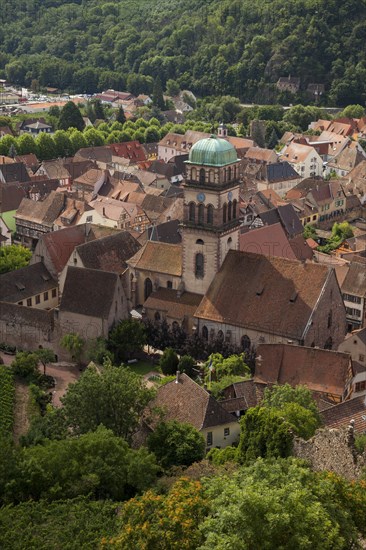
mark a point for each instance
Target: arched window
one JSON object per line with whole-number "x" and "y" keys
{"x": 157, "y": 316}
{"x": 148, "y": 288}
{"x": 205, "y": 333}
{"x": 211, "y": 176}
{"x": 235, "y": 205}
{"x": 229, "y": 210}
{"x": 210, "y": 211}
{"x": 199, "y": 266}
{"x": 330, "y": 318}
{"x": 220, "y": 336}
{"x": 201, "y": 214}
{"x": 199, "y": 241}
{"x": 229, "y": 242}
{"x": 192, "y": 212}
{"x": 194, "y": 174}
{"x": 229, "y": 173}
{"x": 224, "y": 213}
{"x": 329, "y": 343}
{"x": 245, "y": 343}
{"x": 202, "y": 175}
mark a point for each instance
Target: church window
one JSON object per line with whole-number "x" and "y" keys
{"x": 211, "y": 176}
{"x": 229, "y": 242}
{"x": 210, "y": 214}
{"x": 148, "y": 288}
{"x": 192, "y": 212}
{"x": 199, "y": 266}
{"x": 199, "y": 241}
{"x": 229, "y": 173}
{"x": 229, "y": 210}
{"x": 245, "y": 343}
{"x": 235, "y": 205}
{"x": 329, "y": 319}
{"x": 202, "y": 175}
{"x": 329, "y": 343}
{"x": 201, "y": 214}
{"x": 224, "y": 213}
{"x": 194, "y": 174}
{"x": 204, "y": 333}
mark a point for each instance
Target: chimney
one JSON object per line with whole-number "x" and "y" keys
{"x": 177, "y": 377}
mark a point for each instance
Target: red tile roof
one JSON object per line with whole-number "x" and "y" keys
{"x": 341, "y": 415}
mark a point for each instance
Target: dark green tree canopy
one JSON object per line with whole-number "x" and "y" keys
{"x": 70, "y": 117}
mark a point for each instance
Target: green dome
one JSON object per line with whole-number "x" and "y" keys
{"x": 212, "y": 151}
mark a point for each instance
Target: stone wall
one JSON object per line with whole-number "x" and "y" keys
{"x": 332, "y": 449}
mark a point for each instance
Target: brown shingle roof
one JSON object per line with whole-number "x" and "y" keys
{"x": 341, "y": 415}
{"x": 323, "y": 371}
{"x": 186, "y": 401}
{"x": 88, "y": 292}
{"x": 109, "y": 253}
{"x": 25, "y": 282}
{"x": 159, "y": 257}
{"x": 42, "y": 212}
{"x": 166, "y": 300}
{"x": 355, "y": 281}
{"x": 247, "y": 283}
{"x": 270, "y": 240}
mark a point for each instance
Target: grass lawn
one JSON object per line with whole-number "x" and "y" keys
{"x": 143, "y": 367}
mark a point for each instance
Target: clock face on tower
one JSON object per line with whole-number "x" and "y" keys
{"x": 201, "y": 197}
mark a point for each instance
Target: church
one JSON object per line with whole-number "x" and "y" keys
{"x": 205, "y": 284}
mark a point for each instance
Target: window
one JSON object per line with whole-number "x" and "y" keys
{"x": 202, "y": 175}
{"x": 200, "y": 241}
{"x": 38, "y": 299}
{"x": 29, "y": 301}
{"x": 169, "y": 284}
{"x": 201, "y": 214}
{"x": 54, "y": 293}
{"x": 353, "y": 312}
{"x": 351, "y": 298}
{"x": 209, "y": 439}
{"x": 361, "y": 357}
{"x": 229, "y": 210}
{"x": 360, "y": 386}
{"x": 224, "y": 213}
{"x": 192, "y": 212}
{"x": 329, "y": 343}
{"x": 220, "y": 336}
{"x": 245, "y": 343}
{"x": 226, "y": 432}
{"x": 210, "y": 214}
{"x": 157, "y": 316}
{"x": 235, "y": 204}
{"x": 147, "y": 288}
{"x": 199, "y": 266}
{"x": 330, "y": 317}
{"x": 45, "y": 296}
{"x": 204, "y": 333}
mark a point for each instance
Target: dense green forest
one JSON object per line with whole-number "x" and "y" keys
{"x": 213, "y": 47}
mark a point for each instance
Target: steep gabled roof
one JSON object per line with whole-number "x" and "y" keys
{"x": 355, "y": 281}
{"x": 186, "y": 401}
{"x": 23, "y": 283}
{"x": 159, "y": 258}
{"x": 88, "y": 292}
{"x": 321, "y": 370}
{"x": 109, "y": 253}
{"x": 246, "y": 283}
{"x": 41, "y": 212}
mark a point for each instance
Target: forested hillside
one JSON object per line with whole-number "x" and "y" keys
{"x": 236, "y": 47}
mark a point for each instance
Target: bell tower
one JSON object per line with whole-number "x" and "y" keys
{"x": 211, "y": 211}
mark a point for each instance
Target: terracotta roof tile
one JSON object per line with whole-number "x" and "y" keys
{"x": 159, "y": 257}
{"x": 108, "y": 253}
{"x": 177, "y": 307}
{"x": 246, "y": 283}
{"x": 341, "y": 415}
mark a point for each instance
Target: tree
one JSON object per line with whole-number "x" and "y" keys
{"x": 98, "y": 109}
{"x": 278, "y": 396}
{"x": 264, "y": 433}
{"x": 233, "y": 365}
{"x": 169, "y": 362}
{"x": 126, "y": 338}
{"x": 152, "y": 134}
{"x": 187, "y": 364}
{"x": 63, "y": 145}
{"x": 26, "y": 144}
{"x": 176, "y": 444}
{"x": 12, "y": 153}
{"x": 217, "y": 386}
{"x": 113, "y": 396}
{"x": 279, "y": 504}
{"x": 93, "y": 137}
{"x": 74, "y": 344}
{"x": 5, "y": 144}
{"x": 353, "y": 111}
{"x": 98, "y": 464}
{"x": 158, "y": 97}
{"x": 167, "y": 522}
{"x": 310, "y": 232}
{"x": 45, "y": 356}
{"x": 77, "y": 140}
{"x": 70, "y": 117}
{"x": 97, "y": 350}
{"x": 54, "y": 111}
{"x": 45, "y": 146}
{"x": 172, "y": 87}
{"x": 13, "y": 257}
{"x": 25, "y": 365}
{"x": 120, "y": 116}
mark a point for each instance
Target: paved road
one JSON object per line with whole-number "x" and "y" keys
{"x": 64, "y": 374}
